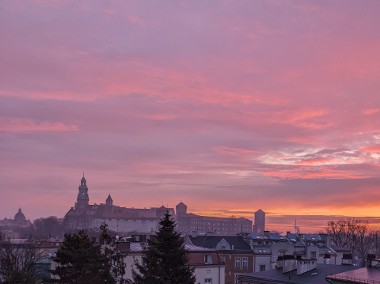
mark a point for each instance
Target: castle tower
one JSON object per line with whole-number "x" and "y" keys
{"x": 109, "y": 201}
{"x": 109, "y": 204}
{"x": 259, "y": 226}
{"x": 181, "y": 209}
{"x": 82, "y": 199}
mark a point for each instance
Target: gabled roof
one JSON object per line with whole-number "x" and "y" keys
{"x": 267, "y": 236}
{"x": 235, "y": 242}
{"x": 312, "y": 237}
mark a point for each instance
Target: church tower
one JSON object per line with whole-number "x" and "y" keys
{"x": 181, "y": 210}
{"x": 82, "y": 199}
{"x": 109, "y": 201}
{"x": 109, "y": 204}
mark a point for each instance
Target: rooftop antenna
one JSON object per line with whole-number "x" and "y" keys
{"x": 296, "y": 228}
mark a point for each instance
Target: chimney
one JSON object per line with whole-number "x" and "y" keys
{"x": 290, "y": 263}
{"x": 327, "y": 258}
{"x": 305, "y": 265}
{"x": 371, "y": 260}
{"x": 347, "y": 259}
{"x": 280, "y": 261}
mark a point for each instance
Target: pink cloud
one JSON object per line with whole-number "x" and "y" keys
{"x": 27, "y": 125}
{"x": 370, "y": 111}
{"x": 267, "y": 100}
{"x": 373, "y": 149}
{"x": 236, "y": 151}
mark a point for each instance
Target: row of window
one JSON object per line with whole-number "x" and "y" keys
{"x": 241, "y": 262}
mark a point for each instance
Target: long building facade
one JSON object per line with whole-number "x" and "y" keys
{"x": 119, "y": 219}
{"x": 188, "y": 223}
{"x": 135, "y": 220}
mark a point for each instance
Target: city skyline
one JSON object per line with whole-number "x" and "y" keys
{"x": 228, "y": 106}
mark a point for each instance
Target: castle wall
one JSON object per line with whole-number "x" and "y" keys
{"x": 146, "y": 226}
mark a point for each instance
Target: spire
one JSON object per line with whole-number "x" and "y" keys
{"x": 109, "y": 200}
{"x": 83, "y": 181}
{"x": 82, "y": 199}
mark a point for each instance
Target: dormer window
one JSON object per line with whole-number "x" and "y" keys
{"x": 207, "y": 259}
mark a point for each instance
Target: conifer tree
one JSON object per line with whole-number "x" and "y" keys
{"x": 165, "y": 260}
{"x": 115, "y": 260}
{"x": 82, "y": 260}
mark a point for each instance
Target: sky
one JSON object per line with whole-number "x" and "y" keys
{"x": 227, "y": 106}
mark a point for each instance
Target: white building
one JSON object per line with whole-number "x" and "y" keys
{"x": 209, "y": 269}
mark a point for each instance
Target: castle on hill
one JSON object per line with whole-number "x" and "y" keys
{"x": 137, "y": 220}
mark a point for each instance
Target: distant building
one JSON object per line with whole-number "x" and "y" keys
{"x": 119, "y": 219}
{"x": 127, "y": 220}
{"x": 9, "y": 226}
{"x": 234, "y": 252}
{"x": 188, "y": 222}
{"x": 259, "y": 226}
{"x": 19, "y": 220}
{"x": 208, "y": 266}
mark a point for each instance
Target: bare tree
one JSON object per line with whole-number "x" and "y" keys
{"x": 353, "y": 234}
{"x": 18, "y": 261}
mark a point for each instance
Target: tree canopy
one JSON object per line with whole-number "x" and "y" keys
{"x": 165, "y": 260}
{"x": 82, "y": 259}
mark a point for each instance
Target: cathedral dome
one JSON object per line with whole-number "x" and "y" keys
{"x": 19, "y": 217}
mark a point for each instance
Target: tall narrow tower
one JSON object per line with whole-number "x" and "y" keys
{"x": 181, "y": 210}
{"x": 109, "y": 201}
{"x": 82, "y": 199}
{"x": 259, "y": 226}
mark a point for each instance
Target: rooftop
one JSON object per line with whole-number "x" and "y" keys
{"x": 315, "y": 276}
{"x": 360, "y": 275}
{"x": 237, "y": 242}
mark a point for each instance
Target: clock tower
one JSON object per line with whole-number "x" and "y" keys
{"x": 82, "y": 199}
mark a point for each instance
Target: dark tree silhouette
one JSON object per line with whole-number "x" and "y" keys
{"x": 115, "y": 259}
{"x": 18, "y": 261}
{"x": 165, "y": 260}
{"x": 48, "y": 227}
{"x": 82, "y": 259}
{"x": 355, "y": 235}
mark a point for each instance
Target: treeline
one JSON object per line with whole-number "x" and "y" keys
{"x": 356, "y": 236}
{"x": 83, "y": 258}
{"x": 80, "y": 259}
{"x": 43, "y": 228}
